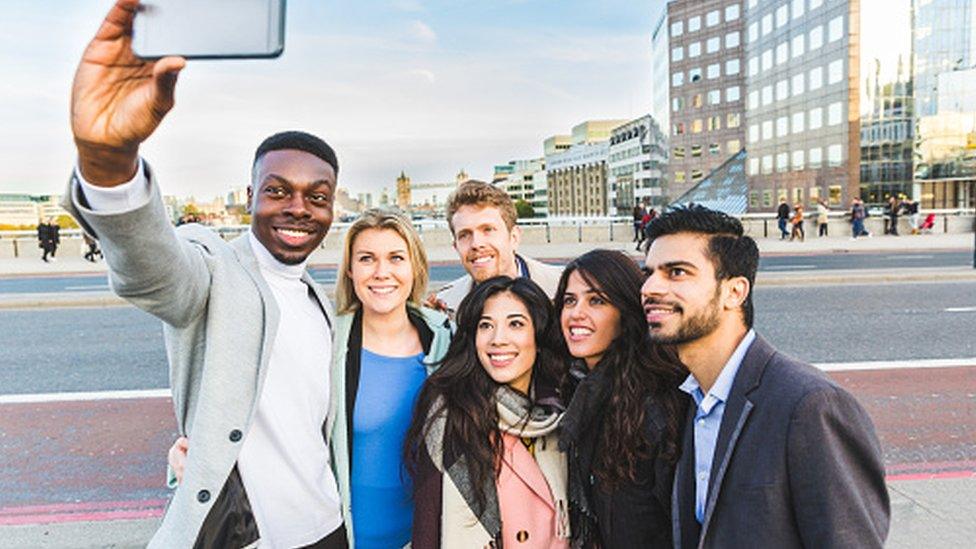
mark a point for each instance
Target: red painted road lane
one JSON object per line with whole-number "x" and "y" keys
{"x": 105, "y": 459}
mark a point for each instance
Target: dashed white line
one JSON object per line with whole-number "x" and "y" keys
{"x": 86, "y": 288}
{"x": 898, "y": 364}
{"x": 87, "y": 395}
{"x": 789, "y": 267}
{"x": 961, "y": 310}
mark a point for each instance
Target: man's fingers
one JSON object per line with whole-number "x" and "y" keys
{"x": 118, "y": 22}
{"x": 165, "y": 73}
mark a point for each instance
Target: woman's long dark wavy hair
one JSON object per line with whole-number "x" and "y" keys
{"x": 637, "y": 368}
{"x": 468, "y": 392}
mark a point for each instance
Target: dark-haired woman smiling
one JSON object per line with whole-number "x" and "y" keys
{"x": 622, "y": 425}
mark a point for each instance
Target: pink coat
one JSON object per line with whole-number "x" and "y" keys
{"x": 525, "y": 502}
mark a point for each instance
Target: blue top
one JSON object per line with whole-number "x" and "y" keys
{"x": 380, "y": 485}
{"x": 709, "y": 410}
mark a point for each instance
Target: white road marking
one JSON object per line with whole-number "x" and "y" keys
{"x": 789, "y": 267}
{"x": 86, "y": 288}
{"x": 897, "y": 364}
{"x": 91, "y": 395}
{"x": 900, "y": 257}
{"x": 961, "y": 310}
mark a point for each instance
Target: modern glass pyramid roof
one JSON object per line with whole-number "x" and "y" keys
{"x": 725, "y": 189}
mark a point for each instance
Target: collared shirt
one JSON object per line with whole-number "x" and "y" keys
{"x": 710, "y": 407}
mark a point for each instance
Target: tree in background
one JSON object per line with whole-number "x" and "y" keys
{"x": 524, "y": 209}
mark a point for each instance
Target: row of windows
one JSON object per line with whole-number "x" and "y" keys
{"x": 712, "y": 45}
{"x": 712, "y": 18}
{"x": 782, "y": 14}
{"x": 732, "y": 67}
{"x": 800, "y": 122}
{"x": 712, "y": 123}
{"x": 800, "y": 83}
{"x": 800, "y": 44}
{"x": 797, "y": 160}
{"x": 834, "y": 194}
{"x": 732, "y": 146}
{"x": 714, "y": 97}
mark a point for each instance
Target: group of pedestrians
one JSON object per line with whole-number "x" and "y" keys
{"x": 523, "y": 405}
{"x": 791, "y": 224}
{"x": 48, "y": 239}
{"x": 642, "y": 216}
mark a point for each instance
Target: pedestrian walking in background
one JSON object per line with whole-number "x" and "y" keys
{"x": 913, "y": 214}
{"x": 92, "y": 247}
{"x": 782, "y": 217}
{"x": 822, "y": 217}
{"x": 638, "y": 223}
{"x": 797, "y": 222}
{"x": 892, "y": 210}
{"x": 48, "y": 238}
{"x": 858, "y": 213}
{"x": 648, "y": 217}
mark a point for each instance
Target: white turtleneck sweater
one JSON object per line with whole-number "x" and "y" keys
{"x": 284, "y": 461}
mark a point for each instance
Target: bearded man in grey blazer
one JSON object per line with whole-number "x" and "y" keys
{"x": 248, "y": 332}
{"x": 775, "y": 453}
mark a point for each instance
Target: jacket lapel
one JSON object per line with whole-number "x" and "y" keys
{"x": 524, "y": 466}
{"x": 734, "y": 419}
{"x": 242, "y": 247}
{"x": 684, "y": 525}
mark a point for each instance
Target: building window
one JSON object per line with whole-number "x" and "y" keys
{"x": 767, "y": 24}
{"x": 782, "y": 15}
{"x": 835, "y": 194}
{"x": 714, "y": 123}
{"x": 797, "y": 9}
{"x": 767, "y": 164}
{"x": 815, "y": 157}
{"x": 753, "y": 66}
{"x": 753, "y": 197}
{"x": 677, "y": 54}
{"x": 814, "y": 4}
{"x": 816, "y": 118}
{"x": 732, "y": 94}
{"x": 767, "y": 130}
{"x": 714, "y": 97}
{"x": 732, "y": 40}
{"x": 677, "y": 28}
{"x": 694, "y": 24}
{"x": 694, "y": 75}
{"x": 798, "y": 160}
{"x": 753, "y": 32}
{"x": 798, "y": 195}
{"x": 713, "y": 44}
{"x": 782, "y": 162}
{"x": 767, "y": 60}
{"x": 816, "y": 37}
{"x": 733, "y": 145}
{"x": 767, "y": 198}
{"x": 782, "y": 126}
{"x": 677, "y": 103}
{"x": 714, "y": 149}
{"x": 798, "y": 42}
{"x": 732, "y": 67}
{"x": 732, "y": 12}
{"x": 696, "y": 175}
{"x": 752, "y": 3}
{"x": 696, "y": 151}
{"x": 835, "y": 29}
{"x": 679, "y": 152}
{"x": 835, "y": 71}
{"x": 679, "y": 128}
{"x": 753, "y": 133}
{"x": 815, "y": 81}
{"x": 696, "y": 100}
{"x": 834, "y": 156}
{"x": 798, "y": 118}
{"x": 834, "y": 114}
{"x": 782, "y": 53}
{"x": 714, "y": 71}
{"x": 696, "y": 125}
{"x": 712, "y": 18}
{"x": 767, "y": 95}
{"x": 798, "y": 84}
{"x": 753, "y": 100}
{"x": 782, "y": 90}
{"x": 753, "y": 166}
{"x": 814, "y": 195}
{"x": 679, "y": 177}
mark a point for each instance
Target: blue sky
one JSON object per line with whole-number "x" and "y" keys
{"x": 426, "y": 86}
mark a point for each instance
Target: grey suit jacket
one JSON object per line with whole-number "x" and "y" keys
{"x": 797, "y": 464}
{"x": 219, "y": 319}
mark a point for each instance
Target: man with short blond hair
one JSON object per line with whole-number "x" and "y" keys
{"x": 482, "y": 219}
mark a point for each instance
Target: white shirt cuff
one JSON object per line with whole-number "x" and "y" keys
{"x": 127, "y": 197}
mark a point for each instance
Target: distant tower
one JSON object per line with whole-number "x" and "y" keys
{"x": 403, "y": 191}
{"x": 462, "y": 176}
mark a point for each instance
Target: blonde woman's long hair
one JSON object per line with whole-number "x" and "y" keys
{"x": 388, "y": 220}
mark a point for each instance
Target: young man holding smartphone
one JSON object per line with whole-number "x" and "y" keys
{"x": 248, "y": 332}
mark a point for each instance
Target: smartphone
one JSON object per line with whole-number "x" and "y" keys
{"x": 209, "y": 29}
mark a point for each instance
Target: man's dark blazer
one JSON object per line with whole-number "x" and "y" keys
{"x": 797, "y": 464}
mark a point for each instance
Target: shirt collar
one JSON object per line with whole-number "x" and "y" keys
{"x": 723, "y": 384}
{"x": 269, "y": 263}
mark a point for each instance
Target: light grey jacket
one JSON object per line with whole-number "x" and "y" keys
{"x": 219, "y": 319}
{"x": 545, "y": 275}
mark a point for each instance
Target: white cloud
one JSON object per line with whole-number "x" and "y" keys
{"x": 425, "y": 74}
{"x": 421, "y": 32}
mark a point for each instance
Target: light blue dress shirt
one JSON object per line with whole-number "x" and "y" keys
{"x": 710, "y": 407}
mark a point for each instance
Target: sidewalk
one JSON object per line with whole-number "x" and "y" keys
{"x": 67, "y": 264}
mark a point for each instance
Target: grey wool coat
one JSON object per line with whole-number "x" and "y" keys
{"x": 219, "y": 319}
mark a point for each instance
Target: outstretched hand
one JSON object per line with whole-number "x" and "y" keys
{"x": 117, "y": 99}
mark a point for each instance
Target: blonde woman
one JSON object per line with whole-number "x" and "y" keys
{"x": 386, "y": 344}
